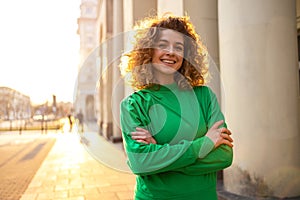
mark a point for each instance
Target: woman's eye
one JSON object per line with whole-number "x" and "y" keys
{"x": 179, "y": 48}
{"x": 162, "y": 46}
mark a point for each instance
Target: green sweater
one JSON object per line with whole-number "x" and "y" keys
{"x": 184, "y": 163}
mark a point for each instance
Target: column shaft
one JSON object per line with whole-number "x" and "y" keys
{"x": 258, "y": 55}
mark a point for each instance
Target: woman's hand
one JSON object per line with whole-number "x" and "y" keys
{"x": 143, "y": 135}
{"x": 219, "y": 135}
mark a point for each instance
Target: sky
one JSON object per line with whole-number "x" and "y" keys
{"x": 39, "y": 48}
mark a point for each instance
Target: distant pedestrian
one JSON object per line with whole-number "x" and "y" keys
{"x": 70, "y": 122}
{"x": 79, "y": 117}
{"x": 174, "y": 132}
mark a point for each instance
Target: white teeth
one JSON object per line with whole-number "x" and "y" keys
{"x": 169, "y": 61}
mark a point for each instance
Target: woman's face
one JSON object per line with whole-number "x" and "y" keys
{"x": 168, "y": 53}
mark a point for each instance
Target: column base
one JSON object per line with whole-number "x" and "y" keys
{"x": 115, "y": 139}
{"x": 106, "y": 130}
{"x": 225, "y": 195}
{"x": 99, "y": 123}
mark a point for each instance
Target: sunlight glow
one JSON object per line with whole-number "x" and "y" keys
{"x": 39, "y": 48}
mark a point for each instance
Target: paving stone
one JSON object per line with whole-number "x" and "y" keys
{"x": 19, "y": 164}
{"x": 69, "y": 172}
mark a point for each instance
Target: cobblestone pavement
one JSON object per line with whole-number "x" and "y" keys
{"x": 21, "y": 157}
{"x": 70, "y": 172}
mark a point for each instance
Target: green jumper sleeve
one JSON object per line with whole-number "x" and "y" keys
{"x": 146, "y": 159}
{"x": 220, "y": 157}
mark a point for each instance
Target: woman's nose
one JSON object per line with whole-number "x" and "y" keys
{"x": 170, "y": 50}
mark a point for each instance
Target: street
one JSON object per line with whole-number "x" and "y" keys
{"x": 21, "y": 157}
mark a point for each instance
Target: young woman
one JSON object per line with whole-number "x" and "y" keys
{"x": 174, "y": 133}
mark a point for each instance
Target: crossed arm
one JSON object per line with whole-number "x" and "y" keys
{"x": 209, "y": 153}
{"x": 217, "y": 135}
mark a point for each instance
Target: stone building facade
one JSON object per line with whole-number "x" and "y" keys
{"x": 84, "y": 92}
{"x": 14, "y": 105}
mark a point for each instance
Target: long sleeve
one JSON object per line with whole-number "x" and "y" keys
{"x": 219, "y": 158}
{"x": 146, "y": 159}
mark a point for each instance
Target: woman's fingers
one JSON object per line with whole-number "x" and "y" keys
{"x": 225, "y": 130}
{"x": 139, "y": 137}
{"x": 227, "y": 142}
{"x": 225, "y": 133}
{"x": 217, "y": 124}
{"x": 139, "y": 133}
{"x": 226, "y": 136}
{"x": 142, "y": 135}
{"x": 142, "y": 141}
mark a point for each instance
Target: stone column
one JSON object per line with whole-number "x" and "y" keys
{"x": 134, "y": 10}
{"x": 258, "y": 57}
{"x": 99, "y": 87}
{"x": 118, "y": 85}
{"x": 107, "y": 70}
{"x": 107, "y": 89}
{"x": 204, "y": 16}
{"x": 173, "y": 6}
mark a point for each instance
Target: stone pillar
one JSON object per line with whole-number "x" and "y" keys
{"x": 117, "y": 84}
{"x": 99, "y": 87}
{"x": 107, "y": 89}
{"x": 107, "y": 71}
{"x": 134, "y": 10}
{"x": 173, "y": 6}
{"x": 204, "y": 16}
{"x": 258, "y": 56}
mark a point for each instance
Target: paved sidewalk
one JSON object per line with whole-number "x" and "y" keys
{"x": 69, "y": 172}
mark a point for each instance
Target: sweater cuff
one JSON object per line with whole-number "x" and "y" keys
{"x": 206, "y": 147}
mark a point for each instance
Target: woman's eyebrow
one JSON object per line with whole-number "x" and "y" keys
{"x": 164, "y": 40}
{"x": 180, "y": 43}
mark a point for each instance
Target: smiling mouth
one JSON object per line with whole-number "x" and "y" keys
{"x": 168, "y": 61}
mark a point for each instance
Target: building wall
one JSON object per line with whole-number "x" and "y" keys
{"x": 14, "y": 105}
{"x": 87, "y": 67}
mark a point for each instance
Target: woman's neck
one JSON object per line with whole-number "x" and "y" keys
{"x": 164, "y": 79}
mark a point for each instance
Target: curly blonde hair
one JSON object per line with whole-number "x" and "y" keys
{"x": 138, "y": 62}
